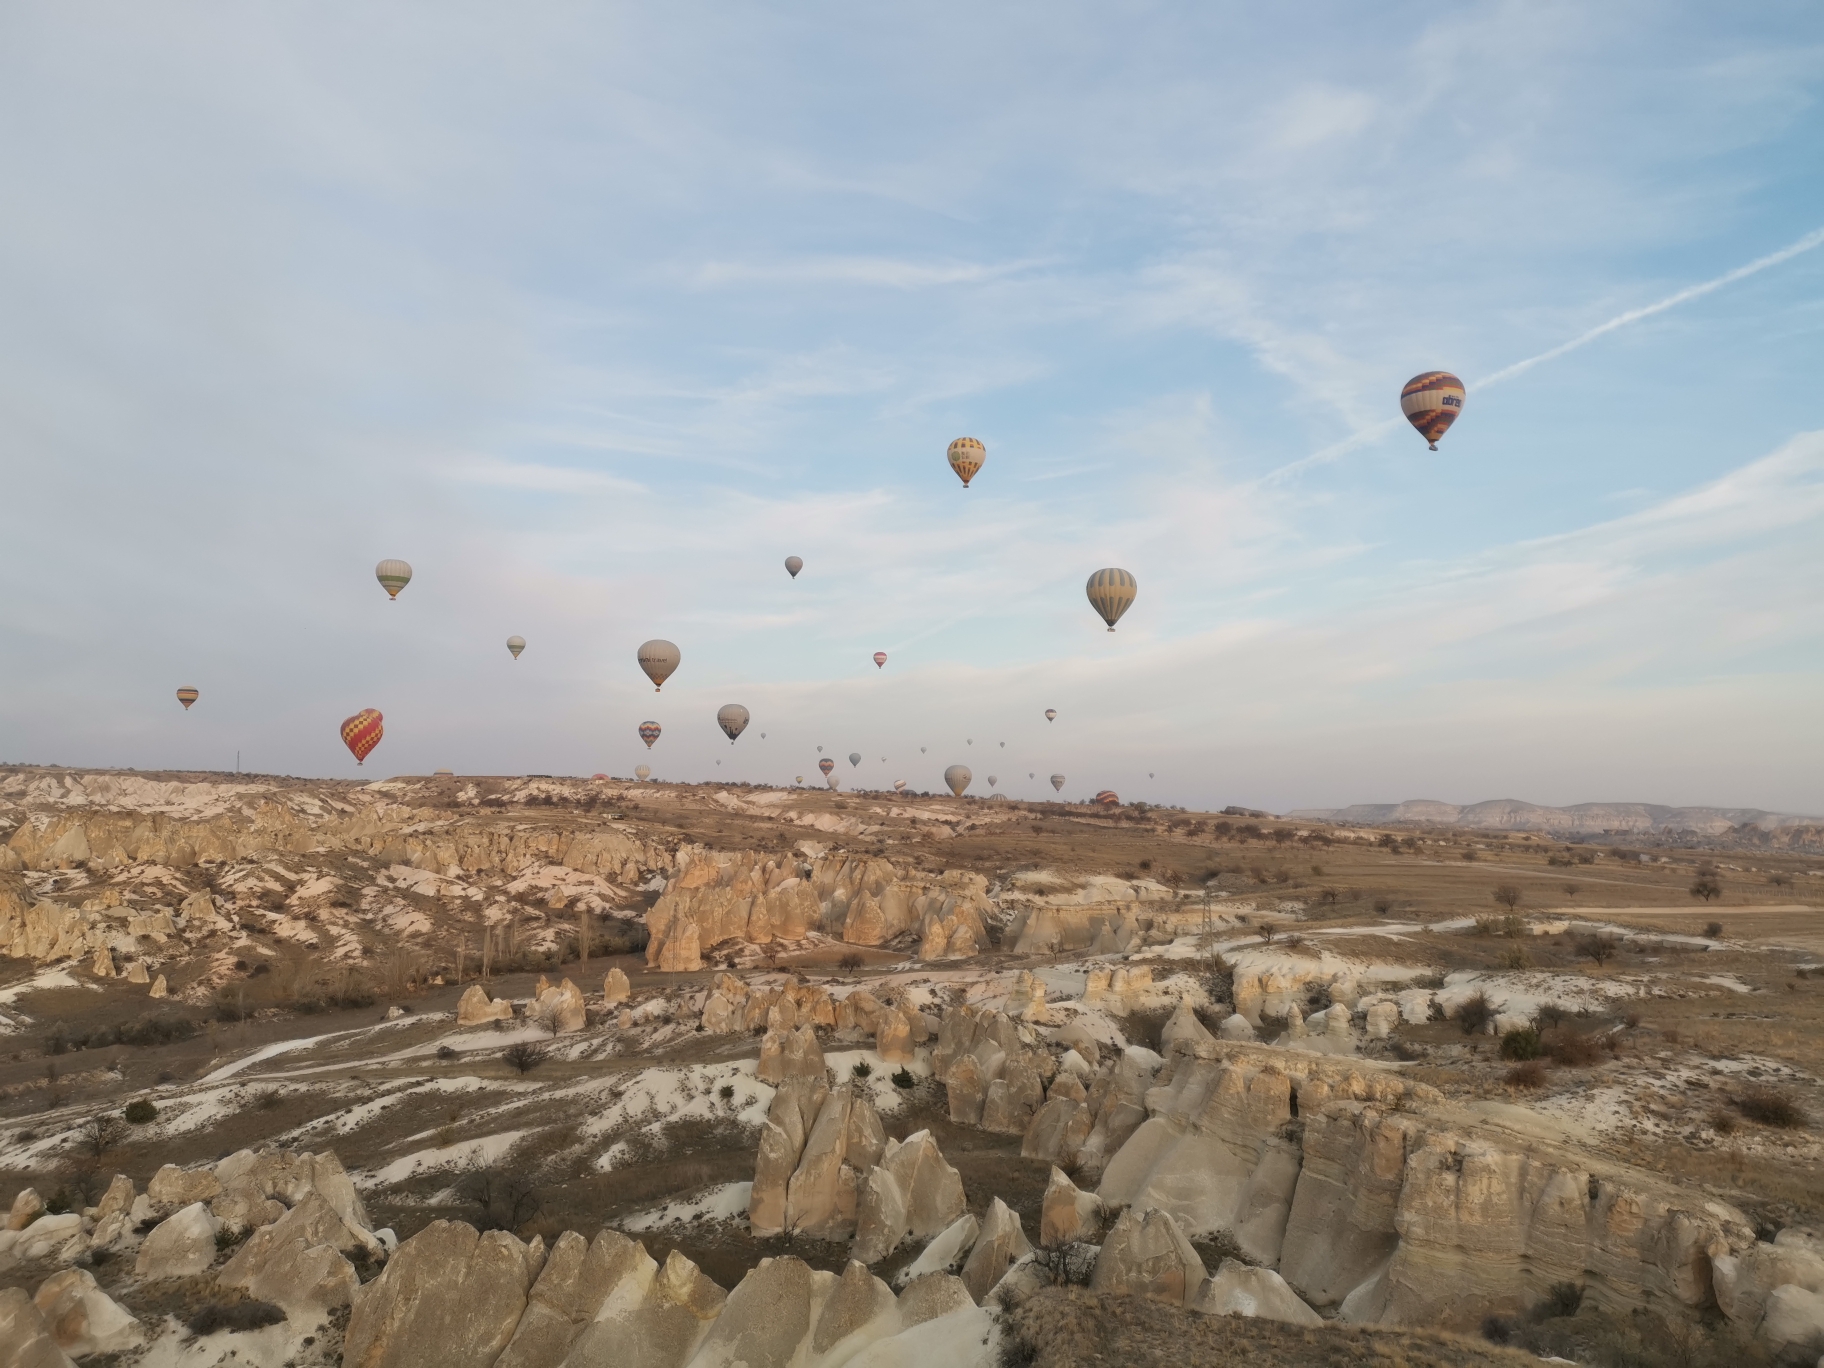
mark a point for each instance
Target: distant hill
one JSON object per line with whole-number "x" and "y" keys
{"x": 1580, "y": 819}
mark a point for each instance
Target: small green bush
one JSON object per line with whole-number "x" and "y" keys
{"x": 140, "y": 1111}
{"x": 902, "y": 1078}
{"x": 1520, "y": 1044}
{"x": 862, "y": 1069}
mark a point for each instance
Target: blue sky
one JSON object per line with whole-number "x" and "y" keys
{"x": 596, "y": 313}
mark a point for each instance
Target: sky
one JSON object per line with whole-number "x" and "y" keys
{"x": 595, "y": 313}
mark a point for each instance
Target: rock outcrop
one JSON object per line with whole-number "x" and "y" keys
{"x": 1068, "y": 1215}
{"x": 912, "y": 1192}
{"x": 476, "y": 1008}
{"x": 180, "y": 1246}
{"x": 82, "y": 1318}
{"x": 1001, "y": 1244}
{"x": 25, "y": 1340}
{"x": 448, "y": 1298}
{"x": 1146, "y": 1254}
{"x": 1235, "y": 1289}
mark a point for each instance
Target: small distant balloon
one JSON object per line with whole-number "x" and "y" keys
{"x": 763, "y": 736}
{"x": 362, "y": 732}
{"x": 820, "y": 750}
{"x": 855, "y": 758}
{"x": 649, "y": 732}
{"x": 732, "y": 718}
{"x": 1003, "y": 745}
{"x": 187, "y": 696}
{"x": 793, "y": 564}
{"x": 393, "y": 575}
{"x": 1057, "y": 782}
{"x": 1431, "y": 403}
{"x": 968, "y": 740}
{"x": 436, "y": 773}
{"x": 1031, "y": 775}
{"x": 958, "y": 777}
{"x": 659, "y": 658}
{"x": 1111, "y": 593}
{"x": 800, "y": 779}
{"x": 921, "y": 750}
{"x": 1149, "y": 774}
{"x": 598, "y": 777}
{"x": 967, "y": 456}
{"x": 642, "y": 772}
{"x": 826, "y": 765}
{"x": 993, "y": 780}
{"x": 1051, "y": 714}
{"x": 835, "y": 781}
{"x": 880, "y": 660}
{"x": 516, "y": 644}
{"x": 900, "y": 785}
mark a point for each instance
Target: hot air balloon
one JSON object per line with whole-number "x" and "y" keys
{"x": 1051, "y": 714}
{"x": 659, "y": 658}
{"x": 958, "y": 777}
{"x": 763, "y": 736}
{"x": 1111, "y": 593}
{"x": 921, "y": 750}
{"x": 1149, "y": 774}
{"x": 598, "y": 777}
{"x": 793, "y": 564}
{"x": 436, "y": 773}
{"x": 393, "y": 575}
{"x": 880, "y": 660}
{"x": 187, "y": 696}
{"x": 649, "y": 732}
{"x": 826, "y": 765}
{"x": 855, "y": 758}
{"x": 1003, "y": 745}
{"x": 800, "y": 779}
{"x": 820, "y": 750}
{"x": 835, "y": 781}
{"x": 993, "y": 780}
{"x": 1057, "y": 782}
{"x": 1108, "y": 798}
{"x": 968, "y": 740}
{"x": 516, "y": 644}
{"x": 1031, "y": 775}
{"x": 362, "y": 732}
{"x": 899, "y": 785}
{"x": 732, "y": 718}
{"x": 642, "y": 772}
{"x": 1431, "y": 403}
{"x": 966, "y": 457}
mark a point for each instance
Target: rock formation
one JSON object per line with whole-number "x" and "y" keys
{"x": 911, "y": 1193}
{"x": 1146, "y": 1254}
{"x": 1235, "y": 1289}
{"x": 476, "y": 1008}
{"x": 1001, "y": 1244}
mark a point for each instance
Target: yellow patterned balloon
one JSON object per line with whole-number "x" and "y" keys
{"x": 967, "y": 456}
{"x": 1111, "y": 593}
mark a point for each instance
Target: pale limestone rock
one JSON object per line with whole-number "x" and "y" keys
{"x": 1266, "y": 1202}
{"x": 448, "y": 1298}
{"x": 82, "y": 1318}
{"x": 860, "y": 1309}
{"x": 475, "y": 1008}
{"x": 1184, "y": 1028}
{"x": 789, "y": 1054}
{"x": 1058, "y": 1131}
{"x": 930, "y": 1295}
{"x": 27, "y": 1207}
{"x": 893, "y": 1037}
{"x": 1067, "y": 1214}
{"x": 845, "y": 1141}
{"x": 136, "y": 972}
{"x": 118, "y": 1197}
{"x": 1793, "y": 1319}
{"x": 243, "y": 1208}
{"x": 967, "y": 1091}
{"x": 180, "y": 1246}
{"x": 103, "y": 964}
{"x": 47, "y": 1237}
{"x": 765, "y": 1319}
{"x": 946, "y": 1253}
{"x": 1744, "y": 1282}
{"x": 25, "y": 1340}
{"x": 1013, "y": 1098}
{"x": 308, "y": 1280}
{"x": 615, "y": 987}
{"x": 1238, "y": 1290}
{"x": 637, "y": 1313}
{"x": 159, "y": 989}
{"x": 912, "y": 1192}
{"x": 880, "y": 1217}
{"x": 1146, "y": 1254}
{"x": 1382, "y": 1017}
{"x": 1236, "y": 1027}
{"x": 1001, "y": 1244}
{"x": 1068, "y": 1083}
{"x": 172, "y": 1187}
{"x": 112, "y": 1232}
{"x": 561, "y": 1009}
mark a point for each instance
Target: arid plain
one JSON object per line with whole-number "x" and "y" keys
{"x": 305, "y": 1072}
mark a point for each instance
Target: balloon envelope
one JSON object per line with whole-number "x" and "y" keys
{"x": 826, "y": 765}
{"x": 793, "y": 564}
{"x": 900, "y": 785}
{"x": 598, "y": 776}
{"x": 993, "y": 780}
{"x": 187, "y": 696}
{"x": 1431, "y": 403}
{"x": 1108, "y": 798}
{"x": 1111, "y": 593}
{"x": 880, "y": 660}
{"x": 855, "y": 757}
{"x": 516, "y": 644}
{"x": 362, "y": 732}
{"x": 649, "y": 732}
{"x": 642, "y": 772}
{"x": 393, "y": 575}
{"x": 732, "y": 718}
{"x": 1051, "y": 714}
{"x": 958, "y": 777}
{"x": 659, "y": 658}
{"x": 966, "y": 457}
{"x": 1057, "y": 782}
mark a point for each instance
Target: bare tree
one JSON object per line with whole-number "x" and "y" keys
{"x": 523, "y": 1056}
{"x": 547, "y": 1016}
{"x": 99, "y": 1132}
{"x": 1707, "y": 887}
{"x": 1508, "y": 895}
{"x": 506, "y": 1201}
{"x": 1599, "y": 950}
{"x": 1571, "y": 890}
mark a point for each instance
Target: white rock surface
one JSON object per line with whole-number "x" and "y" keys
{"x": 180, "y": 1246}
{"x": 82, "y": 1318}
{"x": 1235, "y": 1289}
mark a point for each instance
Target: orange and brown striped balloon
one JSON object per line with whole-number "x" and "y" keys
{"x": 1431, "y": 403}
{"x": 362, "y": 732}
{"x": 187, "y": 696}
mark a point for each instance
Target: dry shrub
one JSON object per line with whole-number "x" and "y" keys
{"x": 1573, "y": 1049}
{"x": 233, "y": 1316}
{"x": 1531, "y": 1074}
{"x": 1520, "y": 1044}
{"x": 1473, "y": 1014}
{"x": 1770, "y": 1107}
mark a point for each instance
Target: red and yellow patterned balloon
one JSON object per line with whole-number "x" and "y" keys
{"x": 649, "y": 732}
{"x": 967, "y": 456}
{"x": 187, "y": 696}
{"x": 1431, "y": 403}
{"x": 362, "y": 732}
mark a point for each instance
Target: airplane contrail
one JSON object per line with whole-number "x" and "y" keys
{"x": 1804, "y": 244}
{"x": 1363, "y": 436}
